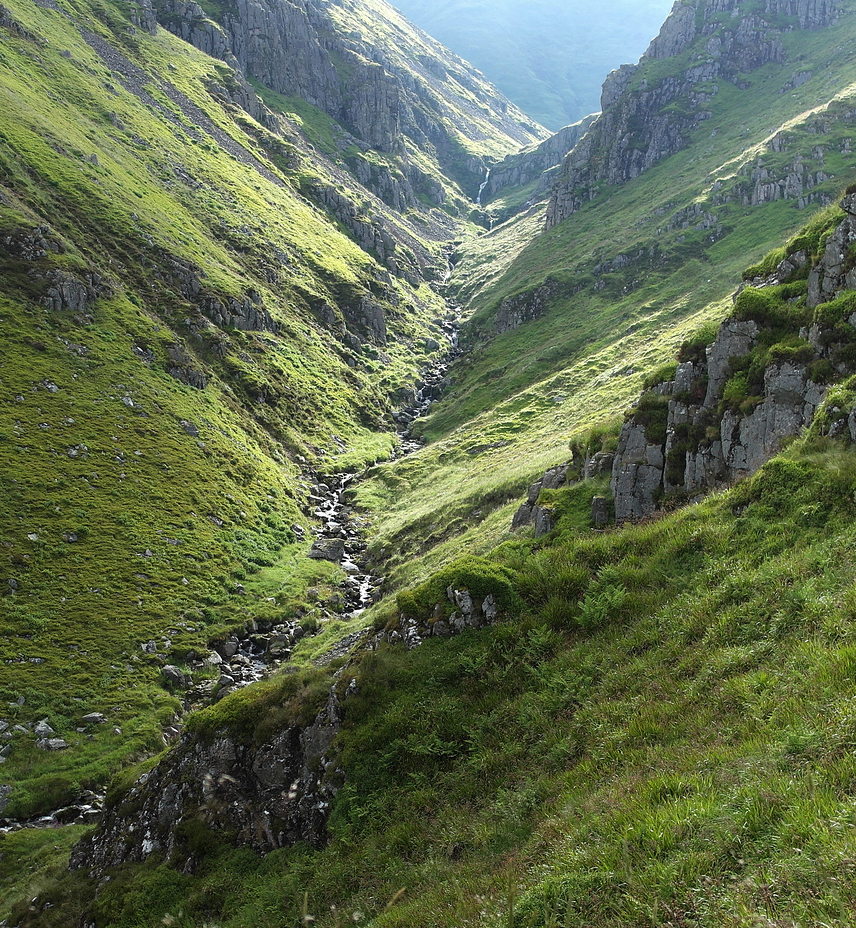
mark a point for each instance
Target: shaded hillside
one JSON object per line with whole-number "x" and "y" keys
{"x": 202, "y": 307}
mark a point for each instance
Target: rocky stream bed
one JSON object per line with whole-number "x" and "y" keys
{"x": 253, "y": 653}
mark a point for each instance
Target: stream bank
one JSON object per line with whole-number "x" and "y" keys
{"x": 260, "y": 648}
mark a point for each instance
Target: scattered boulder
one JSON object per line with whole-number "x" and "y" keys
{"x": 174, "y": 677}
{"x": 52, "y": 744}
{"x": 328, "y": 549}
{"x": 600, "y": 512}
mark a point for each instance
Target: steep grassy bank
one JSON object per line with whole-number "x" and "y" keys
{"x": 659, "y": 734}
{"x": 187, "y": 330}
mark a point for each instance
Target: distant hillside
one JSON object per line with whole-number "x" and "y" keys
{"x": 548, "y": 56}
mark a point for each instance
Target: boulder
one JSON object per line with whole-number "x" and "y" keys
{"x": 174, "y": 677}
{"x": 52, "y": 744}
{"x": 328, "y": 549}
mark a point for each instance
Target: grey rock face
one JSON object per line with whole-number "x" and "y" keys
{"x": 174, "y": 677}
{"x": 262, "y": 796}
{"x": 790, "y": 403}
{"x": 52, "y": 744}
{"x": 833, "y": 274}
{"x": 729, "y": 443}
{"x": 299, "y": 48}
{"x": 639, "y": 126}
{"x": 535, "y": 163}
{"x": 733, "y": 340}
{"x": 637, "y": 475}
{"x": 600, "y": 512}
{"x": 143, "y": 16}
{"x": 545, "y": 521}
{"x": 530, "y": 513}
{"x": 515, "y": 311}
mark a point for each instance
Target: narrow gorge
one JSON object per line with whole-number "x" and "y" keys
{"x": 413, "y": 516}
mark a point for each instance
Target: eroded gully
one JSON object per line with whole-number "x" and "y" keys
{"x": 254, "y": 653}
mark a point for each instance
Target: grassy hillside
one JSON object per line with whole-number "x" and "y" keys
{"x": 202, "y": 309}
{"x": 682, "y": 233}
{"x": 154, "y": 455}
{"x": 659, "y": 733}
{"x": 549, "y": 57}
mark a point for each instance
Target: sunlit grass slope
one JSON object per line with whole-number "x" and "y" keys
{"x": 660, "y": 734}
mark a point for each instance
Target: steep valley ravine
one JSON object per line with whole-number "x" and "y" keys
{"x": 253, "y": 653}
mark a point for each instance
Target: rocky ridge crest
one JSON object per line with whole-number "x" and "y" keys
{"x": 644, "y": 120}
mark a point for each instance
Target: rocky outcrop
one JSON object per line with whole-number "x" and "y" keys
{"x": 542, "y": 518}
{"x": 688, "y": 435}
{"x": 538, "y": 162}
{"x": 530, "y": 513}
{"x": 264, "y": 795}
{"x": 684, "y": 440}
{"x": 836, "y": 271}
{"x": 12, "y": 26}
{"x": 67, "y": 292}
{"x": 515, "y": 311}
{"x": 181, "y": 366}
{"x": 246, "y": 313}
{"x": 468, "y": 613}
{"x": 142, "y": 15}
{"x": 645, "y": 120}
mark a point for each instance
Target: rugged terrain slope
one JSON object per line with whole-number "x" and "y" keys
{"x": 209, "y": 295}
{"x": 612, "y": 728}
{"x": 220, "y": 288}
{"x": 567, "y": 323}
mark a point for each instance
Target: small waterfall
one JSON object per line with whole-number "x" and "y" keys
{"x": 484, "y": 184}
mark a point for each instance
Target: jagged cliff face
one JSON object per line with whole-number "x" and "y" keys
{"x": 393, "y": 88}
{"x": 708, "y": 427}
{"x": 651, "y": 110}
{"x": 265, "y": 794}
{"x": 537, "y": 163}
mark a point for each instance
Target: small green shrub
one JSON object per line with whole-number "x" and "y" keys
{"x": 736, "y": 389}
{"x": 766, "y": 265}
{"x": 837, "y": 311}
{"x": 694, "y": 348}
{"x": 662, "y": 374}
{"x": 478, "y": 575}
{"x": 652, "y": 412}
{"x": 601, "y": 603}
{"x": 801, "y": 353}
{"x": 771, "y": 307}
{"x": 821, "y": 371}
